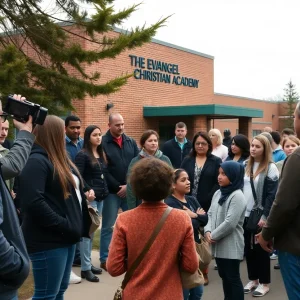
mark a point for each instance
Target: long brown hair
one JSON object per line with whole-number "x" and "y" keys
{"x": 266, "y": 157}
{"x": 51, "y": 137}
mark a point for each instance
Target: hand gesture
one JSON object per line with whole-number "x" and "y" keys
{"x": 90, "y": 195}
{"x": 122, "y": 192}
{"x": 189, "y": 212}
{"x": 266, "y": 245}
{"x": 200, "y": 211}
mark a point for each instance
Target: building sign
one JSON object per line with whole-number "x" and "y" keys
{"x": 155, "y": 70}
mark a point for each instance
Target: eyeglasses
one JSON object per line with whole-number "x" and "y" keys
{"x": 204, "y": 144}
{"x": 3, "y": 117}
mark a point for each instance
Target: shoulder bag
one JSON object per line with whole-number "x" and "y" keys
{"x": 129, "y": 273}
{"x": 95, "y": 218}
{"x": 256, "y": 213}
{"x": 190, "y": 281}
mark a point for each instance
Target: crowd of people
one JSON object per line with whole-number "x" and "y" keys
{"x": 214, "y": 186}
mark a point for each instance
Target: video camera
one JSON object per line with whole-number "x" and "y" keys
{"x": 21, "y": 110}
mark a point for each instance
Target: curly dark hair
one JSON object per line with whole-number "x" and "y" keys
{"x": 205, "y": 136}
{"x": 151, "y": 179}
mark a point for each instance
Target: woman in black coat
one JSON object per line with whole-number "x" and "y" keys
{"x": 91, "y": 165}
{"x": 202, "y": 168}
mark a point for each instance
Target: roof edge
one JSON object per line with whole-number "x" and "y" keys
{"x": 124, "y": 31}
{"x": 246, "y": 98}
{"x": 166, "y": 44}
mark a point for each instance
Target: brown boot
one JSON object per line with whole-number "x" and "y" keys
{"x": 206, "y": 281}
{"x": 103, "y": 266}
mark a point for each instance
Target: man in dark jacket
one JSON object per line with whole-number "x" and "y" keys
{"x": 14, "y": 261}
{"x": 178, "y": 147}
{"x": 283, "y": 223}
{"x": 227, "y": 138}
{"x": 119, "y": 149}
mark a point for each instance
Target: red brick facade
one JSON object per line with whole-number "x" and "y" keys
{"x": 137, "y": 93}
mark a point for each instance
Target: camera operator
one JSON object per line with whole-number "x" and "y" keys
{"x": 14, "y": 261}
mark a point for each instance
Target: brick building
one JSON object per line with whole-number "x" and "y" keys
{"x": 171, "y": 84}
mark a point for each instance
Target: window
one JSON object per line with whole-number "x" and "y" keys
{"x": 256, "y": 132}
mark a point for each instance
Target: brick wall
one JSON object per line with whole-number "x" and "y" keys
{"x": 131, "y": 98}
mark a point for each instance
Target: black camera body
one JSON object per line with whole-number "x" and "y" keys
{"x": 21, "y": 110}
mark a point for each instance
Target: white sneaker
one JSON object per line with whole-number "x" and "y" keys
{"x": 261, "y": 290}
{"x": 250, "y": 286}
{"x": 274, "y": 256}
{"x": 74, "y": 278}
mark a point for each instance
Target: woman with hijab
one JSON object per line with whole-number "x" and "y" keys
{"x": 224, "y": 229}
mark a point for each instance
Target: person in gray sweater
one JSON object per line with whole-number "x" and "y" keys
{"x": 224, "y": 230}
{"x": 14, "y": 260}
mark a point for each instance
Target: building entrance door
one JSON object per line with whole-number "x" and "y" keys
{"x": 166, "y": 132}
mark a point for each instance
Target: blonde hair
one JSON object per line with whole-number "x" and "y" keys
{"x": 51, "y": 137}
{"x": 292, "y": 138}
{"x": 218, "y": 133}
{"x": 266, "y": 157}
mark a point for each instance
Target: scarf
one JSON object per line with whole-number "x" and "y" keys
{"x": 235, "y": 173}
{"x": 157, "y": 154}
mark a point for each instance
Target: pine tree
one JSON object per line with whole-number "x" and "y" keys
{"x": 45, "y": 77}
{"x": 291, "y": 97}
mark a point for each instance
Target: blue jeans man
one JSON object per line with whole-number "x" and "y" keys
{"x": 290, "y": 271}
{"x": 111, "y": 205}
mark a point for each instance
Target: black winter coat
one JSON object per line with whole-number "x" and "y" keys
{"x": 49, "y": 220}
{"x": 208, "y": 182}
{"x": 118, "y": 160}
{"x": 92, "y": 174}
{"x": 174, "y": 152}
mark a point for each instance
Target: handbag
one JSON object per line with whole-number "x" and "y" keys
{"x": 189, "y": 280}
{"x": 95, "y": 219}
{"x": 256, "y": 213}
{"x": 204, "y": 251}
{"x": 119, "y": 293}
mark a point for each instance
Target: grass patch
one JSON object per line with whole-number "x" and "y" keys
{"x": 96, "y": 240}
{"x": 26, "y": 290}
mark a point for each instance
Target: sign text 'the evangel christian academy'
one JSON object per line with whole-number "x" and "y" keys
{"x": 155, "y": 70}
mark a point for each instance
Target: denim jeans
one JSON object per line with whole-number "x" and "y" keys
{"x": 229, "y": 271}
{"x": 86, "y": 243}
{"x": 193, "y": 294}
{"x": 15, "y": 298}
{"x": 111, "y": 205}
{"x": 290, "y": 271}
{"x": 51, "y": 272}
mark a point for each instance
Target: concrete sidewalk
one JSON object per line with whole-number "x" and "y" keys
{"x": 105, "y": 289}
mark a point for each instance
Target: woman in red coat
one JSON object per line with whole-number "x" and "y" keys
{"x": 157, "y": 277}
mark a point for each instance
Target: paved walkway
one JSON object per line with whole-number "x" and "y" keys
{"x": 106, "y": 288}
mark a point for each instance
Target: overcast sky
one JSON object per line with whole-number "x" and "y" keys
{"x": 255, "y": 42}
